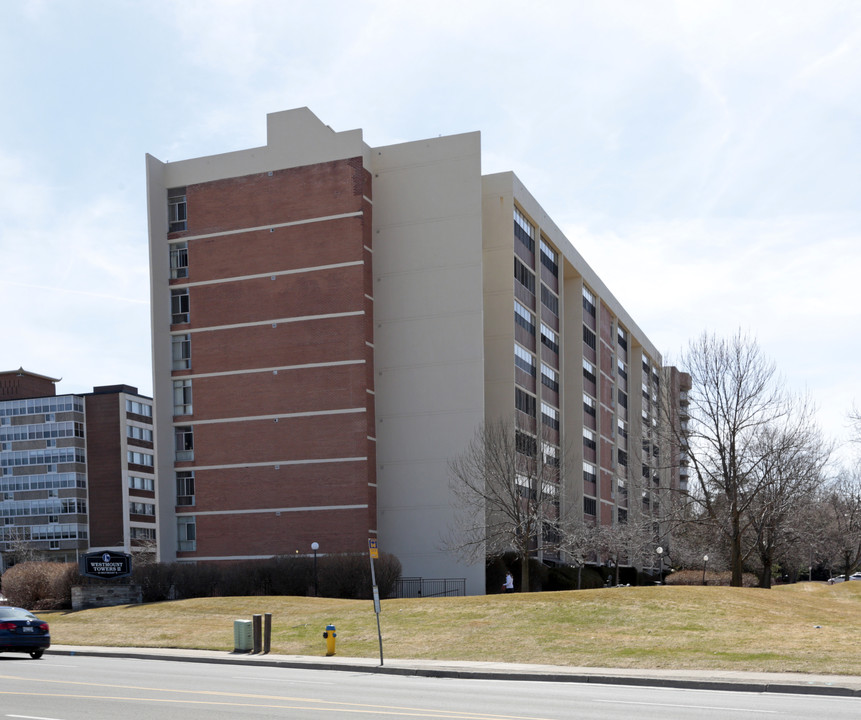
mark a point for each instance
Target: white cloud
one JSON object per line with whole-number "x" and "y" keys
{"x": 712, "y": 145}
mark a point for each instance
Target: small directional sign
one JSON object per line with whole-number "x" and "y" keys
{"x": 372, "y": 548}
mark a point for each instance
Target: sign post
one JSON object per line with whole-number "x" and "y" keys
{"x": 374, "y": 553}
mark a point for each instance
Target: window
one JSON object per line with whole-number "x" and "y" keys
{"x": 589, "y": 338}
{"x": 549, "y": 377}
{"x": 139, "y": 458}
{"x": 184, "y": 443}
{"x": 524, "y": 276}
{"x": 588, "y": 371}
{"x": 589, "y": 405}
{"x": 140, "y": 483}
{"x": 550, "y": 416}
{"x": 177, "y": 216}
{"x": 524, "y": 402}
{"x": 622, "y": 427}
{"x": 179, "y": 260}
{"x": 185, "y": 488}
{"x": 139, "y": 533}
{"x": 182, "y": 397}
{"x": 141, "y": 508}
{"x": 590, "y": 506}
{"x": 525, "y": 444}
{"x": 549, "y": 257}
{"x": 622, "y": 457}
{"x": 623, "y": 516}
{"x": 549, "y": 300}
{"x": 523, "y": 317}
{"x": 551, "y": 456}
{"x": 186, "y": 534}
{"x": 623, "y": 398}
{"x": 137, "y": 408}
{"x": 181, "y": 351}
{"x": 589, "y": 439}
{"x": 139, "y": 433}
{"x": 588, "y": 301}
{"x": 622, "y": 369}
{"x": 524, "y": 360}
{"x": 179, "y": 306}
{"x": 589, "y": 473}
{"x": 549, "y": 338}
{"x": 622, "y": 336}
{"x": 524, "y": 230}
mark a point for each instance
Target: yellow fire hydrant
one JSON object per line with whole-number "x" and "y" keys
{"x": 329, "y": 634}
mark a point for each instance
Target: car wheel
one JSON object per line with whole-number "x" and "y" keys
{"x": 36, "y": 654}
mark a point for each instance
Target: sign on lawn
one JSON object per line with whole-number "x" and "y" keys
{"x": 106, "y": 565}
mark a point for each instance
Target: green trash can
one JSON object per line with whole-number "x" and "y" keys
{"x": 242, "y": 636}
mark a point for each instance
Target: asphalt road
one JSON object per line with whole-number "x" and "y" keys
{"x": 96, "y": 688}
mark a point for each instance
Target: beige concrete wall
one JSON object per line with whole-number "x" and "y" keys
{"x": 159, "y": 268}
{"x": 428, "y": 338}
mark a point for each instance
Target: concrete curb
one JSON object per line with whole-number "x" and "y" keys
{"x": 834, "y": 686}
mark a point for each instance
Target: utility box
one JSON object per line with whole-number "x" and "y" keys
{"x": 242, "y": 636}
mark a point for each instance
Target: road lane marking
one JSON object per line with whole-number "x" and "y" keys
{"x": 683, "y": 707}
{"x": 311, "y": 703}
{"x": 375, "y": 711}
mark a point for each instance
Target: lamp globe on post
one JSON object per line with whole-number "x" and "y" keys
{"x": 705, "y": 562}
{"x": 315, "y": 546}
{"x": 660, "y": 552}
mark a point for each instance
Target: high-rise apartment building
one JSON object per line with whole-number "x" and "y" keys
{"x": 332, "y": 322}
{"x": 76, "y": 471}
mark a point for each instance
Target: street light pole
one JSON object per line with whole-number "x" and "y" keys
{"x": 315, "y": 546}
{"x": 705, "y": 561}
{"x": 660, "y": 552}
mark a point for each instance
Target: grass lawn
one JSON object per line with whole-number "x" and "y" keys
{"x": 808, "y": 627}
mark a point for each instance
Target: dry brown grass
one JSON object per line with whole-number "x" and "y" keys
{"x": 809, "y": 627}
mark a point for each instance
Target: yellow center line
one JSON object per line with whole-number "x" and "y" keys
{"x": 311, "y": 703}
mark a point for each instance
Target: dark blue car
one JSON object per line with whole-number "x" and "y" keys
{"x": 22, "y": 631}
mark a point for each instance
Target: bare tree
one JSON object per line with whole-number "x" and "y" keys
{"x": 792, "y": 461}
{"x": 842, "y": 521}
{"x": 19, "y": 547}
{"x": 855, "y": 423}
{"x": 735, "y": 395}
{"x": 630, "y": 543}
{"x": 577, "y": 540}
{"x": 507, "y": 486}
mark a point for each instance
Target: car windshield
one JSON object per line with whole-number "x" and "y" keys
{"x": 10, "y": 613}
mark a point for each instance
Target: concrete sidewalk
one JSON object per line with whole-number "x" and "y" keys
{"x": 693, "y": 679}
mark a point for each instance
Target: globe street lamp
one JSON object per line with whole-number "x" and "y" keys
{"x": 315, "y": 546}
{"x": 660, "y": 552}
{"x": 705, "y": 561}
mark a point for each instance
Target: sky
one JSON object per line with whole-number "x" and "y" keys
{"x": 703, "y": 156}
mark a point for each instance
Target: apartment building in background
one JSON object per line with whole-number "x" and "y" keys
{"x": 332, "y": 322}
{"x": 76, "y": 471}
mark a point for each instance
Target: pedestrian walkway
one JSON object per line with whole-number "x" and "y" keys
{"x": 708, "y": 680}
